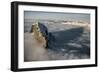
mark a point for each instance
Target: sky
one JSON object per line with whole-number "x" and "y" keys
{"x": 56, "y": 16}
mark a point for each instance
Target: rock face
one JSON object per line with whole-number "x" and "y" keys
{"x": 35, "y": 43}
{"x": 40, "y": 33}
